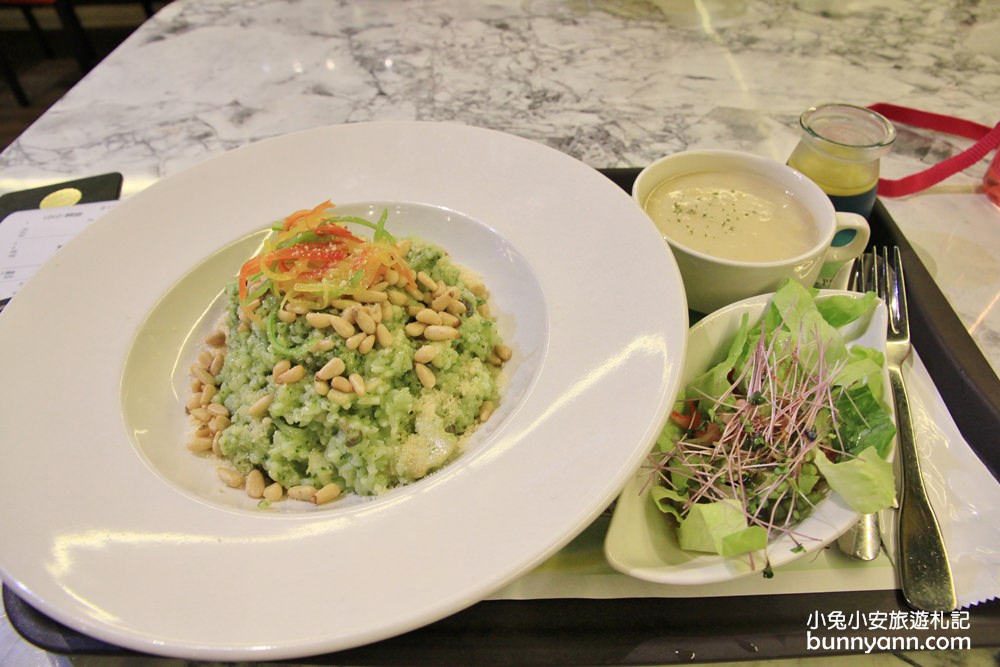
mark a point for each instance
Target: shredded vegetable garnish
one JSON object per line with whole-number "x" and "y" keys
{"x": 312, "y": 258}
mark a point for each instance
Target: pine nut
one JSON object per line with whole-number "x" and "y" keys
{"x": 486, "y": 410}
{"x": 321, "y": 387}
{"x": 255, "y": 484}
{"x": 425, "y": 375}
{"x": 260, "y": 406}
{"x": 383, "y": 335}
{"x": 441, "y": 302}
{"x": 426, "y": 280}
{"x": 202, "y": 375}
{"x": 477, "y": 288}
{"x": 450, "y": 320}
{"x": 216, "y": 338}
{"x": 332, "y": 368}
{"x": 195, "y": 401}
{"x": 297, "y": 308}
{"x": 280, "y": 368}
{"x": 357, "y": 383}
{"x": 326, "y": 494}
{"x": 201, "y": 414}
{"x": 287, "y": 316}
{"x": 349, "y": 312}
{"x": 217, "y": 362}
{"x": 273, "y": 492}
{"x": 370, "y": 296}
{"x": 425, "y": 354}
{"x": 318, "y": 320}
{"x": 217, "y": 409}
{"x": 204, "y": 432}
{"x": 398, "y": 298}
{"x": 204, "y": 359}
{"x": 219, "y": 423}
{"x": 386, "y": 311}
{"x": 243, "y": 326}
{"x": 391, "y": 276}
{"x": 367, "y": 344}
{"x": 292, "y": 375}
{"x": 456, "y": 307}
{"x": 343, "y": 328}
{"x": 301, "y": 492}
{"x": 200, "y": 444}
{"x": 493, "y": 360}
{"x": 428, "y": 316}
{"x": 414, "y": 293}
{"x": 216, "y": 443}
{"x": 322, "y": 345}
{"x": 341, "y": 384}
{"x": 252, "y": 306}
{"x": 404, "y": 247}
{"x": 413, "y": 309}
{"x": 484, "y": 310}
{"x": 503, "y": 351}
{"x": 375, "y": 310}
{"x": 440, "y": 333}
{"x": 354, "y": 342}
{"x": 230, "y": 477}
{"x": 414, "y": 329}
{"x": 342, "y": 304}
{"x": 207, "y": 393}
{"x": 365, "y": 322}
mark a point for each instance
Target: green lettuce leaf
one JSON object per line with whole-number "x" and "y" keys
{"x": 865, "y": 483}
{"x": 839, "y": 310}
{"x": 863, "y": 422}
{"x": 714, "y": 382}
{"x": 707, "y": 524}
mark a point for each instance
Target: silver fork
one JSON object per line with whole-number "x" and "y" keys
{"x": 921, "y": 557}
{"x": 863, "y": 541}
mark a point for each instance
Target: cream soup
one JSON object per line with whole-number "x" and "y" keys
{"x": 733, "y": 215}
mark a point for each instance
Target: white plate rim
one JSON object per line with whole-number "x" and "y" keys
{"x": 81, "y": 532}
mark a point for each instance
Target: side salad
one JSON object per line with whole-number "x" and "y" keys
{"x": 790, "y": 414}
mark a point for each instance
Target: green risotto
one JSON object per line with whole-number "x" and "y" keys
{"x": 377, "y": 389}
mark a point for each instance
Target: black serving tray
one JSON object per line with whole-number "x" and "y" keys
{"x": 645, "y": 631}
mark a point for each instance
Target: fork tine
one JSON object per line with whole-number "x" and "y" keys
{"x": 880, "y": 275}
{"x": 868, "y": 272}
{"x": 898, "y": 313}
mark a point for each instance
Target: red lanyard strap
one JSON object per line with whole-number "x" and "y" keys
{"x": 986, "y": 139}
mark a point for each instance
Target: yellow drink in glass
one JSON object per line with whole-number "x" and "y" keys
{"x": 840, "y": 149}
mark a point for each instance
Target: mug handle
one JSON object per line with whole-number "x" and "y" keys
{"x": 857, "y": 245}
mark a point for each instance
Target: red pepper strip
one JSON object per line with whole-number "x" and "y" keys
{"x": 250, "y": 268}
{"x": 688, "y": 421}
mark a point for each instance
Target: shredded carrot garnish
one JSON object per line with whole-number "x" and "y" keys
{"x": 312, "y": 258}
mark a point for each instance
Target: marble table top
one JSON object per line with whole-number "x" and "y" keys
{"x": 613, "y": 83}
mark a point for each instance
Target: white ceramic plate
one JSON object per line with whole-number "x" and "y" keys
{"x": 642, "y": 543}
{"x": 107, "y": 526}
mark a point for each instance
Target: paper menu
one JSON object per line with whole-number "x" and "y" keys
{"x": 29, "y": 238}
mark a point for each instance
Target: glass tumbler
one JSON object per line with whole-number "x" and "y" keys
{"x": 840, "y": 149}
